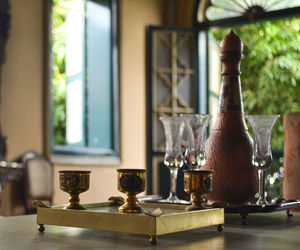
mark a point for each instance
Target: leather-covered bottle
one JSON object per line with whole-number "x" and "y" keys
{"x": 229, "y": 147}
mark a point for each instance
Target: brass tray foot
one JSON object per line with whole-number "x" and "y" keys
{"x": 153, "y": 239}
{"x": 220, "y": 228}
{"x": 41, "y": 228}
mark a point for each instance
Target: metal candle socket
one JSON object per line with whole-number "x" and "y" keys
{"x": 74, "y": 183}
{"x": 131, "y": 182}
{"x": 197, "y": 183}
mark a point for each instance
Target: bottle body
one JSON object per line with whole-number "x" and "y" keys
{"x": 229, "y": 155}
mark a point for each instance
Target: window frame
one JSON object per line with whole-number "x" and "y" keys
{"x": 154, "y": 157}
{"x": 82, "y": 155}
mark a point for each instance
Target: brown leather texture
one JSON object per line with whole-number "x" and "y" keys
{"x": 229, "y": 154}
{"x": 291, "y": 163}
{"x": 233, "y": 121}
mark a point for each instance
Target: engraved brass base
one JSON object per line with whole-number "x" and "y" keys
{"x": 131, "y": 205}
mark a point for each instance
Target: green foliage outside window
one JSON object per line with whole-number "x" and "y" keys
{"x": 59, "y": 81}
{"x": 270, "y": 69}
{"x": 270, "y": 77}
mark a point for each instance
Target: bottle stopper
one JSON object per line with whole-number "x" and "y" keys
{"x": 231, "y": 48}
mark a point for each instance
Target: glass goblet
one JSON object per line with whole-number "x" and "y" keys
{"x": 262, "y": 126}
{"x": 173, "y": 128}
{"x": 196, "y": 127}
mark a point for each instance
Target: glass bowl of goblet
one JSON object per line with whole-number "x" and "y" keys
{"x": 195, "y": 127}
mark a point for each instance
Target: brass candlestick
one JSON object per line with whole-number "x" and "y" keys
{"x": 197, "y": 183}
{"x": 131, "y": 182}
{"x": 74, "y": 183}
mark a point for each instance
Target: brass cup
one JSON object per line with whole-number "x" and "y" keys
{"x": 74, "y": 183}
{"x": 131, "y": 182}
{"x": 197, "y": 183}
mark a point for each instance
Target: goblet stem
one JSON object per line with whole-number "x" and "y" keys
{"x": 74, "y": 199}
{"x": 74, "y": 202}
{"x": 173, "y": 185}
{"x": 131, "y": 198}
{"x": 261, "y": 187}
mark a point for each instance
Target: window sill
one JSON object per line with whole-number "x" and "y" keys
{"x": 85, "y": 160}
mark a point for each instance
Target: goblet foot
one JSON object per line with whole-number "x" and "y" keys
{"x": 174, "y": 200}
{"x": 194, "y": 207}
{"x": 262, "y": 201}
{"x": 74, "y": 203}
{"x": 74, "y": 206}
{"x": 130, "y": 207}
{"x": 197, "y": 203}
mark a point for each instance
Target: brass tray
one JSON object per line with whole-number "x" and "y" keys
{"x": 105, "y": 216}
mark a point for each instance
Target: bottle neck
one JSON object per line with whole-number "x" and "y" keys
{"x": 231, "y": 94}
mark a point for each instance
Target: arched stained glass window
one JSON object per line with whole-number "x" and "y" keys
{"x": 214, "y": 10}
{"x": 221, "y": 9}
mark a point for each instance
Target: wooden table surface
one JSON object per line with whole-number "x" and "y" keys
{"x": 265, "y": 231}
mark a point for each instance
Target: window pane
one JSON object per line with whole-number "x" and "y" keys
{"x": 99, "y": 73}
{"x": 75, "y": 73}
{"x": 215, "y": 13}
